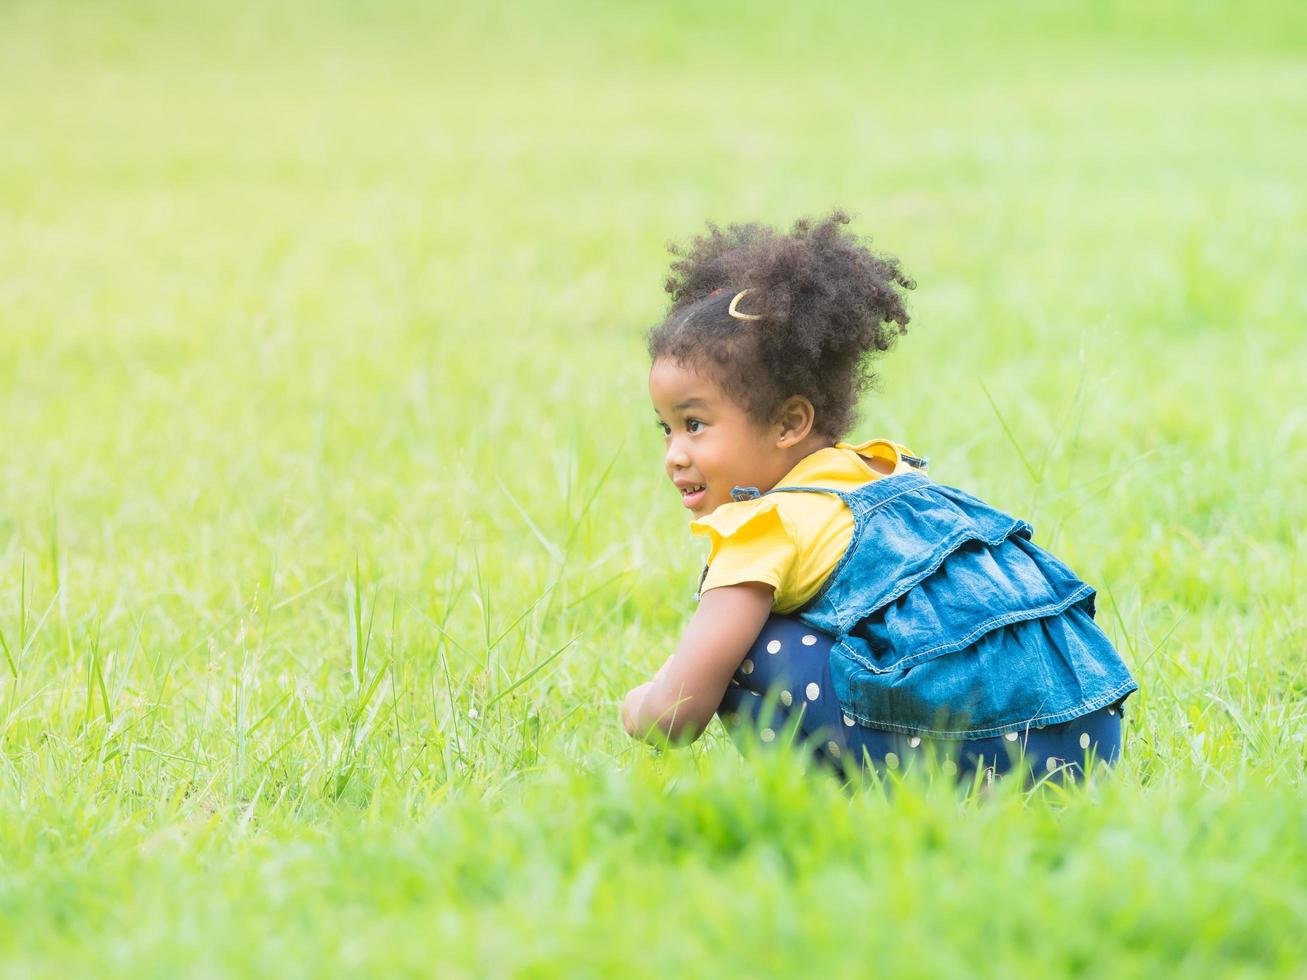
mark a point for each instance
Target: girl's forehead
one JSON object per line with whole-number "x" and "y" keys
{"x": 667, "y": 374}
{"x": 673, "y": 383}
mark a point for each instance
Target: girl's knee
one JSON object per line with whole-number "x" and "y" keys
{"x": 785, "y": 653}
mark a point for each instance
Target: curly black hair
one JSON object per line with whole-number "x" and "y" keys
{"x": 822, "y": 305}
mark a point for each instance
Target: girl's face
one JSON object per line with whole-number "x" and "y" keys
{"x": 712, "y": 445}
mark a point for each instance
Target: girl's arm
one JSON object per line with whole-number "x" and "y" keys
{"x": 682, "y": 697}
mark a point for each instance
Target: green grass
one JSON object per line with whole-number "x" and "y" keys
{"x": 332, "y": 524}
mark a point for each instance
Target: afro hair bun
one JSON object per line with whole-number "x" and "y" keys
{"x": 820, "y": 305}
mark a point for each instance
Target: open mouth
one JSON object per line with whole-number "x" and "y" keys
{"x": 691, "y": 496}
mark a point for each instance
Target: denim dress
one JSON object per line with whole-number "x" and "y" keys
{"x": 950, "y": 623}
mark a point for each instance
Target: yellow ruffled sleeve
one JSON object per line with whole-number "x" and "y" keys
{"x": 751, "y": 542}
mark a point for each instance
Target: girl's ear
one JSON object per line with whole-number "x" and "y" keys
{"x": 794, "y": 421}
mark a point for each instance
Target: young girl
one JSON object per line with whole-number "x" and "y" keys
{"x": 847, "y": 597}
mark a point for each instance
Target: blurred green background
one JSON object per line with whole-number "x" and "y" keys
{"x": 333, "y": 526}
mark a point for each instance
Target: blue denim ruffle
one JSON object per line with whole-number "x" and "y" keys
{"x": 950, "y": 622}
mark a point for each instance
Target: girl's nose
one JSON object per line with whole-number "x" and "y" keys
{"x": 675, "y": 457}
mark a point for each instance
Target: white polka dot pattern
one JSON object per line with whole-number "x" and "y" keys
{"x": 891, "y": 760}
{"x": 809, "y": 640}
{"x": 833, "y": 749}
{"x": 1084, "y": 740}
{"x": 1011, "y": 736}
{"x": 774, "y": 646}
{"x": 767, "y": 734}
{"x": 747, "y": 666}
{"x": 812, "y": 691}
{"x": 1052, "y": 763}
{"x": 848, "y": 722}
{"x": 787, "y": 698}
{"x": 914, "y": 741}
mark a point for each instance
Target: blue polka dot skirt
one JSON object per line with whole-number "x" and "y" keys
{"x": 783, "y": 689}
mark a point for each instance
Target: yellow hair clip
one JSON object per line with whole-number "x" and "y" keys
{"x": 736, "y": 313}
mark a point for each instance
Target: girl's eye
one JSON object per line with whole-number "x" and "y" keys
{"x": 663, "y": 427}
{"x": 693, "y": 425}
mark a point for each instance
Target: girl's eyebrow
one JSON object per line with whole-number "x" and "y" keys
{"x": 690, "y": 403}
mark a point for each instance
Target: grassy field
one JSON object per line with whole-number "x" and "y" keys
{"x": 333, "y": 526}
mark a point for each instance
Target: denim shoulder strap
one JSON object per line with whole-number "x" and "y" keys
{"x": 842, "y": 494}
{"x": 870, "y": 495}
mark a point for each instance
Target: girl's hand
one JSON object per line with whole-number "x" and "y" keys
{"x": 631, "y": 704}
{"x": 680, "y": 701}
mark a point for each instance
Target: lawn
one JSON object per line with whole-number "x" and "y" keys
{"x": 333, "y": 526}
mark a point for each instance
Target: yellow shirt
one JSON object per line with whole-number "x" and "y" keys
{"x": 793, "y": 541}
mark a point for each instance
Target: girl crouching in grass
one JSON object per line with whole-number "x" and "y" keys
{"x": 848, "y": 598}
